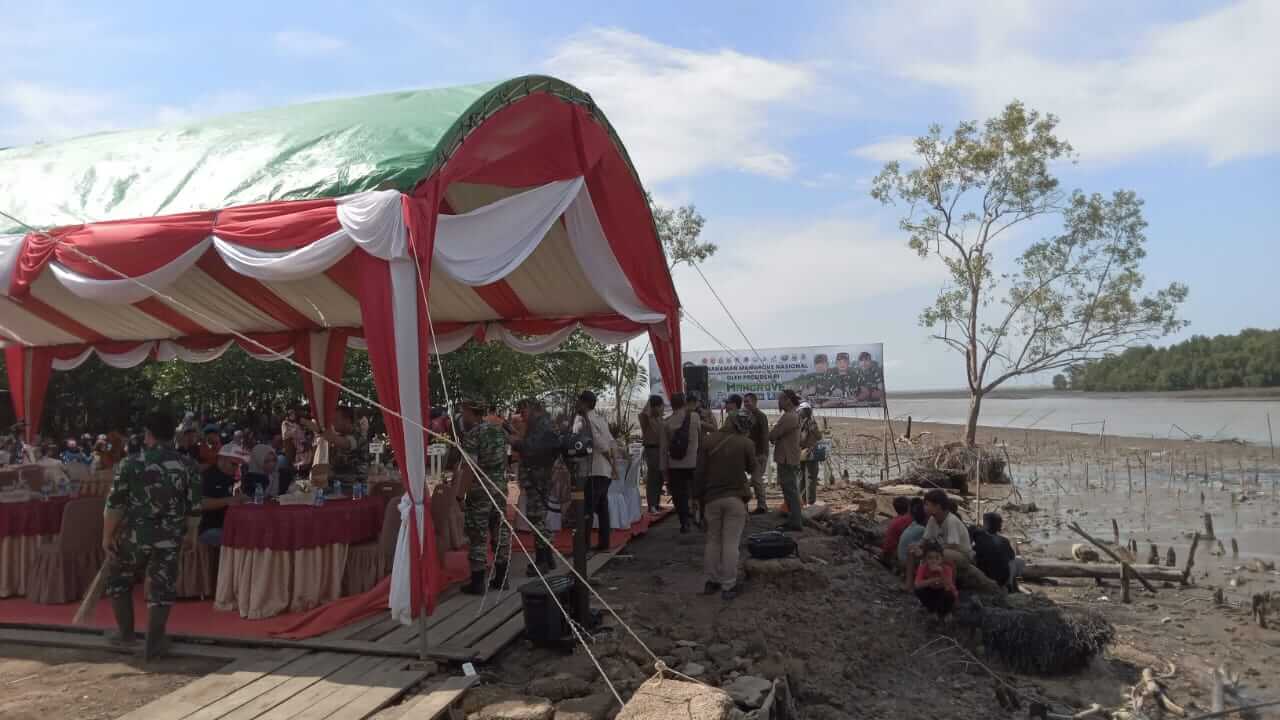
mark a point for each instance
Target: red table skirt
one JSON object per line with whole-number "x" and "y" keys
{"x": 298, "y": 527}
{"x": 35, "y": 517}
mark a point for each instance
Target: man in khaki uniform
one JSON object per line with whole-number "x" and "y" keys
{"x": 760, "y": 437}
{"x": 679, "y": 471}
{"x": 786, "y": 455}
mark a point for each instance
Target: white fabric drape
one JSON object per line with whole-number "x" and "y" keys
{"x": 167, "y": 351}
{"x": 448, "y": 342}
{"x": 124, "y": 292}
{"x": 490, "y": 242}
{"x": 10, "y": 249}
{"x": 404, "y": 294}
{"x": 128, "y": 358}
{"x": 375, "y": 222}
{"x": 599, "y": 264}
{"x": 304, "y": 262}
{"x": 535, "y": 345}
{"x": 73, "y": 363}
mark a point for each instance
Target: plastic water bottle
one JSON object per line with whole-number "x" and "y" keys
{"x": 258, "y": 495}
{"x": 319, "y": 497}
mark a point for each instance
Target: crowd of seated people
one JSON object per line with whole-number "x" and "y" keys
{"x": 936, "y": 554}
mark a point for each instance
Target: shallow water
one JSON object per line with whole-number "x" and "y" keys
{"x": 1168, "y": 514}
{"x": 1136, "y": 416}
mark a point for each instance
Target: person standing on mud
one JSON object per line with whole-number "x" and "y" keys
{"x": 152, "y": 511}
{"x": 728, "y": 460}
{"x": 760, "y": 438}
{"x": 786, "y": 455}
{"x": 810, "y": 436}
{"x": 681, "y": 433}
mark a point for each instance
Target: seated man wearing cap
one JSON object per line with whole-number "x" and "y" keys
{"x": 217, "y": 492}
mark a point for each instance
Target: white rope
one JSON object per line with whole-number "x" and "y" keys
{"x": 732, "y": 319}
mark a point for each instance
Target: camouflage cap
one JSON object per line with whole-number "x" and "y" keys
{"x": 842, "y": 356}
{"x": 819, "y": 358}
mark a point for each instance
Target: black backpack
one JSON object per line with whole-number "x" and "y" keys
{"x": 772, "y": 544}
{"x": 680, "y": 440}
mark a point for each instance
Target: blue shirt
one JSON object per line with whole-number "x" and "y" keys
{"x": 912, "y": 535}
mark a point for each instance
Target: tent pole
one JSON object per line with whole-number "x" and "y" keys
{"x": 423, "y": 645}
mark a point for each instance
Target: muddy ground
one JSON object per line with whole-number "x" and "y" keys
{"x": 39, "y": 683}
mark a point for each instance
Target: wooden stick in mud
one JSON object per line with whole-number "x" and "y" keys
{"x": 1171, "y": 559}
{"x": 1208, "y": 527}
{"x": 1191, "y": 558}
{"x": 1115, "y": 530}
{"x": 1075, "y": 527}
{"x": 1041, "y": 569}
{"x": 1129, "y": 470}
{"x": 1271, "y": 439}
{"x": 1235, "y": 548}
{"x": 1124, "y": 585}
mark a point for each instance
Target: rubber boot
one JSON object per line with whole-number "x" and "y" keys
{"x": 123, "y": 635}
{"x": 157, "y": 645}
{"x": 476, "y": 586}
{"x": 499, "y": 581}
{"x": 548, "y": 561}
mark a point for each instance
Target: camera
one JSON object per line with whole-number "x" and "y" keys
{"x": 575, "y": 445}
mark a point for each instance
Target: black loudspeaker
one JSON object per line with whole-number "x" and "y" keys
{"x": 696, "y": 380}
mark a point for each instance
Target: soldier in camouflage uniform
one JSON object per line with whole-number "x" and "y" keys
{"x": 153, "y": 509}
{"x": 538, "y": 446}
{"x": 870, "y": 379}
{"x": 486, "y": 445}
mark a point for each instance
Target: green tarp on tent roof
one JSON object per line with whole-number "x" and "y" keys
{"x": 314, "y": 150}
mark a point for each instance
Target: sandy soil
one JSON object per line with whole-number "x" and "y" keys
{"x": 38, "y": 683}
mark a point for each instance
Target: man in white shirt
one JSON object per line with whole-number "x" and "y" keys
{"x": 948, "y": 530}
{"x": 597, "y": 467}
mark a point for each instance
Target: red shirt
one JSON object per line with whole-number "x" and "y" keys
{"x": 893, "y": 533}
{"x": 946, "y": 572}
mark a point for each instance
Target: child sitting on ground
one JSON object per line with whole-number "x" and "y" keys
{"x": 935, "y": 583}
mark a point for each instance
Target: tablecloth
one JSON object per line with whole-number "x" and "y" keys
{"x": 277, "y": 559}
{"x": 34, "y": 517}
{"x": 297, "y": 527}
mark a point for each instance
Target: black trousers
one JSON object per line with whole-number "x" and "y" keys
{"x": 681, "y": 480}
{"x": 596, "y": 503}
{"x": 936, "y": 600}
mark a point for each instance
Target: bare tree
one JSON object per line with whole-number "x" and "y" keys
{"x": 1068, "y": 298}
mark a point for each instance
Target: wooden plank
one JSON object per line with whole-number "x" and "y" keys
{"x": 498, "y": 639}
{"x": 385, "y": 624}
{"x": 297, "y": 705}
{"x": 85, "y": 641}
{"x": 297, "y": 683}
{"x": 436, "y": 701}
{"x": 486, "y": 623}
{"x": 261, "y": 686}
{"x": 213, "y": 687}
{"x": 378, "y": 689}
{"x": 348, "y": 632}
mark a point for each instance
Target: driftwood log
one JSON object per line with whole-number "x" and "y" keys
{"x": 1041, "y": 569}
{"x": 1075, "y": 527}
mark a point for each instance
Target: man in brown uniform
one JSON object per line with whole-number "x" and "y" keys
{"x": 786, "y": 455}
{"x": 651, "y": 436}
{"x": 760, "y": 437}
{"x": 728, "y": 459}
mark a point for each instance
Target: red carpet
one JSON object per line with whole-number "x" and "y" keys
{"x": 197, "y": 617}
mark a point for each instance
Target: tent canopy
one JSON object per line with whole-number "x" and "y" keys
{"x": 405, "y": 223}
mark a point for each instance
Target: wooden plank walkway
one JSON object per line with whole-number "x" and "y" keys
{"x": 288, "y": 685}
{"x": 463, "y": 627}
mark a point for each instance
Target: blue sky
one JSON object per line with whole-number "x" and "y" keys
{"x": 772, "y": 118}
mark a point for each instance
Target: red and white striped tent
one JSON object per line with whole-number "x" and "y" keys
{"x": 504, "y": 212}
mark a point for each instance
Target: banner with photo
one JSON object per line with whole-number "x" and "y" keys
{"x": 827, "y": 376}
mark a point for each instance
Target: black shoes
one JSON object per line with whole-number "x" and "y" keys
{"x": 499, "y": 581}
{"x": 711, "y": 588}
{"x": 760, "y": 511}
{"x": 476, "y": 586}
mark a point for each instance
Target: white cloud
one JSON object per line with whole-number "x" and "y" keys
{"x": 684, "y": 112}
{"x": 1205, "y": 84}
{"x": 304, "y": 43}
{"x": 899, "y": 147}
{"x": 37, "y": 113}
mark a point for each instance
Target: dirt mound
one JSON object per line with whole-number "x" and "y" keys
{"x": 1038, "y": 636}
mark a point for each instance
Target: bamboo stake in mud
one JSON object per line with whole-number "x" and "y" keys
{"x": 1191, "y": 558}
{"x": 1153, "y": 557}
{"x": 1171, "y": 470}
{"x": 1235, "y": 548}
{"x": 1208, "y": 527}
{"x": 1115, "y": 530}
{"x": 1129, "y": 470}
{"x": 1171, "y": 559}
{"x": 1124, "y": 585}
{"x": 1271, "y": 439}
